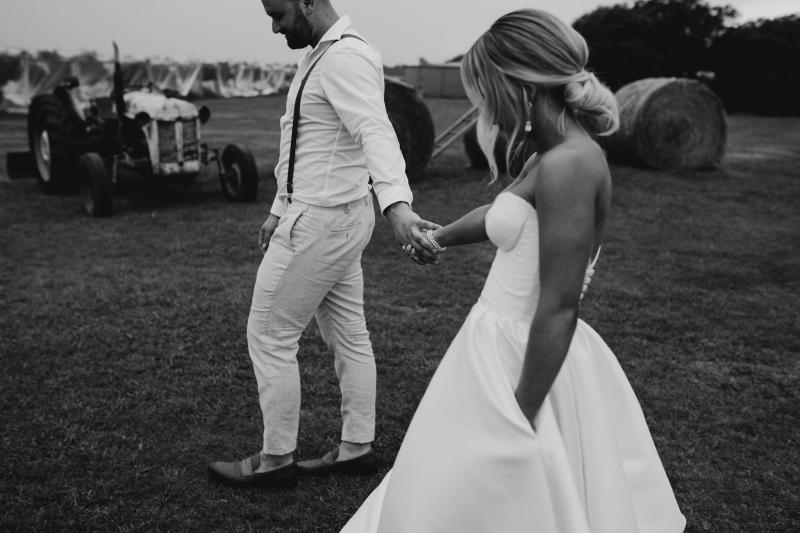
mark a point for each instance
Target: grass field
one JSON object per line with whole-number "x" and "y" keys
{"x": 125, "y": 366}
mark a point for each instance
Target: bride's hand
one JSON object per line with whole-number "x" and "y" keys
{"x": 418, "y": 259}
{"x": 530, "y": 414}
{"x": 409, "y": 229}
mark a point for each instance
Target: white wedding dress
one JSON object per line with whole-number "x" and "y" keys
{"x": 470, "y": 461}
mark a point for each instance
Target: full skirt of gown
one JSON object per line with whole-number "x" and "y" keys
{"x": 471, "y": 462}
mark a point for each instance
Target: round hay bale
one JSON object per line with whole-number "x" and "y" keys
{"x": 474, "y": 153}
{"x": 413, "y": 124}
{"x": 669, "y": 123}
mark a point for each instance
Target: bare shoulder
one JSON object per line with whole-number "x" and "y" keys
{"x": 576, "y": 165}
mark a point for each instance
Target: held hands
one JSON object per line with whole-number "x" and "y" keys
{"x": 266, "y": 231}
{"x": 412, "y": 253}
{"x": 409, "y": 230}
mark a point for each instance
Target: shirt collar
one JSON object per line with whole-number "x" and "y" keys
{"x": 335, "y": 32}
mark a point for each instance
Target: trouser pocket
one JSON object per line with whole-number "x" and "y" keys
{"x": 283, "y": 233}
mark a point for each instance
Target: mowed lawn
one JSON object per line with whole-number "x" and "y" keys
{"x": 125, "y": 366}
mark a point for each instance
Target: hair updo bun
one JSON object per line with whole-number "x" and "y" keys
{"x": 592, "y": 103}
{"x": 524, "y": 53}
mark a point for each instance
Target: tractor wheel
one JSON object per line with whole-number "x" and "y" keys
{"x": 95, "y": 185}
{"x": 52, "y": 128}
{"x": 413, "y": 125}
{"x": 239, "y": 176}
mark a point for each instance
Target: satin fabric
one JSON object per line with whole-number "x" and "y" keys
{"x": 471, "y": 462}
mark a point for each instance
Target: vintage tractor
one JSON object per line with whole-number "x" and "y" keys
{"x": 87, "y": 144}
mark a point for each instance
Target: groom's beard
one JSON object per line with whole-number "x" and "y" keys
{"x": 302, "y": 32}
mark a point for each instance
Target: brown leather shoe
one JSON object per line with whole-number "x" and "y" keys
{"x": 363, "y": 465}
{"x": 243, "y": 474}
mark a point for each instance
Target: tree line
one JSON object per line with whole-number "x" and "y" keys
{"x": 754, "y": 67}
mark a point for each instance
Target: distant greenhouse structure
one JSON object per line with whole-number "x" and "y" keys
{"x": 24, "y": 75}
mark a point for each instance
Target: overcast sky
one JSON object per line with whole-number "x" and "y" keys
{"x": 238, "y": 30}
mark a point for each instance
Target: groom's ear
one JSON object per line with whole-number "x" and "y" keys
{"x": 307, "y": 6}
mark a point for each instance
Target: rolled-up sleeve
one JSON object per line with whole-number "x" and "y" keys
{"x": 277, "y": 208}
{"x": 354, "y": 87}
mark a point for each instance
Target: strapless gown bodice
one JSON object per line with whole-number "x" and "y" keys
{"x": 512, "y": 286}
{"x": 471, "y": 461}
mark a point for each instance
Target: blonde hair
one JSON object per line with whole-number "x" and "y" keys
{"x": 524, "y": 52}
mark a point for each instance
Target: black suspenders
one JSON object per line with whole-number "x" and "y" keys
{"x": 296, "y": 119}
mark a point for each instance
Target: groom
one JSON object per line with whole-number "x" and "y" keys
{"x": 335, "y": 135}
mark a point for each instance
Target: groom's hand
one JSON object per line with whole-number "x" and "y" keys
{"x": 409, "y": 229}
{"x": 266, "y": 231}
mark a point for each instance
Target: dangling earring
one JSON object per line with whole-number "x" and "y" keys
{"x": 528, "y": 125}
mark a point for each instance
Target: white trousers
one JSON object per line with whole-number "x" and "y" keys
{"x": 313, "y": 268}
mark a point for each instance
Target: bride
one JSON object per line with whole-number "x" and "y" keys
{"x": 529, "y": 423}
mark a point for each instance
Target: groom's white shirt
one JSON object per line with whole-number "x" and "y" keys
{"x": 344, "y": 134}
